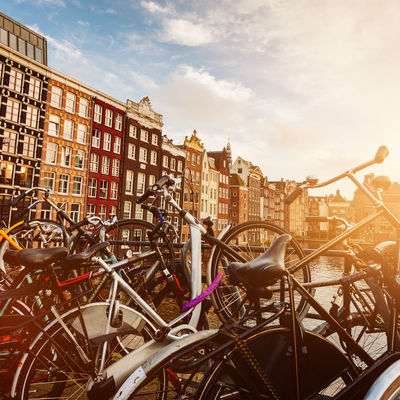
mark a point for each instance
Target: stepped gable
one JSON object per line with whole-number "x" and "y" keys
{"x": 338, "y": 198}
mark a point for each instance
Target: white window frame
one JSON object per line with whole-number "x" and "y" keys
{"x": 98, "y": 113}
{"x": 34, "y": 88}
{"x": 31, "y": 116}
{"x": 83, "y": 107}
{"x": 61, "y": 183}
{"x": 79, "y": 156}
{"x": 131, "y": 151}
{"x": 49, "y": 177}
{"x": 114, "y": 190}
{"x": 105, "y": 165}
{"x": 132, "y": 131}
{"x": 107, "y": 141}
{"x": 117, "y": 145}
{"x": 70, "y": 102}
{"x": 96, "y": 138}
{"x": 75, "y": 214}
{"x": 51, "y": 153}
{"x": 118, "y": 121}
{"x": 129, "y": 182}
{"x": 153, "y": 157}
{"x": 66, "y": 155}
{"x": 12, "y": 110}
{"x": 115, "y": 167}
{"x": 143, "y": 154}
{"x": 127, "y": 210}
{"x": 108, "y": 117}
{"x": 103, "y": 187}
{"x": 15, "y": 82}
{"x": 81, "y": 134}
{"x": 92, "y": 187}
{"x": 56, "y": 97}
{"x": 54, "y": 125}
{"x": 77, "y": 185}
{"x": 144, "y": 135}
{"x": 141, "y": 183}
{"x": 68, "y": 131}
{"x": 94, "y": 162}
{"x": 154, "y": 139}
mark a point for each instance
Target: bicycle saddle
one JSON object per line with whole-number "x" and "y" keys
{"x": 264, "y": 270}
{"x": 35, "y": 258}
{"x": 74, "y": 260}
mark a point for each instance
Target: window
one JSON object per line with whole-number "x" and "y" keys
{"x": 129, "y": 182}
{"x": 34, "y": 88}
{"x": 9, "y": 142}
{"x": 75, "y": 212}
{"x": 152, "y": 180}
{"x": 114, "y": 190}
{"x": 15, "y": 82}
{"x": 29, "y": 144}
{"x": 105, "y": 165}
{"x": 92, "y": 192}
{"x": 113, "y": 211}
{"x": 132, "y": 131}
{"x": 109, "y": 118}
{"x": 31, "y": 118}
{"x": 141, "y": 183}
{"x": 79, "y": 159}
{"x": 138, "y": 212}
{"x": 193, "y": 159}
{"x": 103, "y": 212}
{"x": 153, "y": 159}
{"x": 103, "y": 189}
{"x": 68, "y": 129}
{"x": 66, "y": 154}
{"x": 91, "y": 210}
{"x": 81, "y": 134}
{"x": 117, "y": 145}
{"x": 25, "y": 176}
{"x": 49, "y": 180}
{"x": 51, "y": 153}
{"x": 144, "y": 135}
{"x": 63, "y": 185}
{"x": 142, "y": 154}
{"x": 56, "y": 97}
{"x": 131, "y": 151}
{"x": 54, "y": 125}
{"x": 6, "y": 173}
{"x": 98, "y": 113}
{"x": 107, "y": 141}
{"x": 118, "y": 122}
{"x": 127, "y": 210}
{"x": 173, "y": 164}
{"x": 77, "y": 185}
{"x": 154, "y": 139}
{"x": 180, "y": 165}
{"x": 70, "y": 102}
{"x": 12, "y": 110}
{"x": 83, "y": 107}
{"x": 94, "y": 162}
{"x": 96, "y": 138}
{"x": 115, "y": 167}
{"x": 165, "y": 161}
{"x": 45, "y": 212}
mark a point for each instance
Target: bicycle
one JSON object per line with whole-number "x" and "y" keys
{"x": 355, "y": 379}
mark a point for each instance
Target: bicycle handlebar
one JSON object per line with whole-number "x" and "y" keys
{"x": 165, "y": 180}
{"x": 380, "y": 156}
{"x": 13, "y": 202}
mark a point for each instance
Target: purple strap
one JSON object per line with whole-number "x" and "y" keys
{"x": 203, "y": 295}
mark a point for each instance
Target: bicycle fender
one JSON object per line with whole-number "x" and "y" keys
{"x": 140, "y": 373}
{"x": 92, "y": 311}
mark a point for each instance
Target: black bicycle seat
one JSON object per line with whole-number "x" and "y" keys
{"x": 35, "y": 258}
{"x": 80, "y": 259}
{"x": 264, "y": 270}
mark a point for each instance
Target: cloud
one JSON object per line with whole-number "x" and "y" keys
{"x": 153, "y": 7}
{"x": 56, "y": 3}
{"x": 83, "y": 23}
{"x": 98, "y": 10}
{"x": 186, "y": 33}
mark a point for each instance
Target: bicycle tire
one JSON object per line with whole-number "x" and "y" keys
{"x": 250, "y": 240}
{"x": 231, "y": 377}
{"x": 369, "y": 328}
{"x": 53, "y": 367}
{"x": 165, "y": 295}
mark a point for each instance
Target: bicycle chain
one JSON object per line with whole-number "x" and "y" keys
{"x": 251, "y": 359}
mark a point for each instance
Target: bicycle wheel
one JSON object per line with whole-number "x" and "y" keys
{"x": 369, "y": 326}
{"x": 63, "y": 358}
{"x": 249, "y": 240}
{"x": 387, "y": 386}
{"x": 166, "y": 293}
{"x": 38, "y": 233}
{"x": 231, "y": 377}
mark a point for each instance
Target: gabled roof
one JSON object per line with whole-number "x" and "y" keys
{"x": 338, "y": 198}
{"x": 218, "y": 156}
{"x": 236, "y": 180}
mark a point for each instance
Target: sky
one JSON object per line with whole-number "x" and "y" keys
{"x": 298, "y": 87}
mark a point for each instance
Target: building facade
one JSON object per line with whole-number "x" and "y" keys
{"x": 106, "y": 163}
{"x": 142, "y": 152}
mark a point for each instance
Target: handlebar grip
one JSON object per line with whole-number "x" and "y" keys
{"x": 144, "y": 196}
{"x": 381, "y": 154}
{"x": 13, "y": 202}
{"x": 85, "y": 221}
{"x": 294, "y": 195}
{"x": 164, "y": 180}
{"x": 316, "y": 218}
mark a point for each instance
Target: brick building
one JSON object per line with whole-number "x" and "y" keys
{"x": 106, "y": 163}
